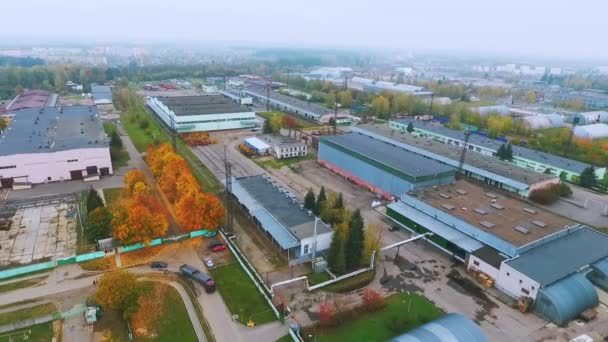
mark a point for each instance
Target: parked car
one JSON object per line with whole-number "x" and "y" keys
{"x": 214, "y": 244}
{"x": 158, "y": 264}
{"x": 198, "y": 276}
{"x": 208, "y": 262}
{"x": 218, "y": 248}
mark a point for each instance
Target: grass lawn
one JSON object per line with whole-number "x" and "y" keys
{"x": 240, "y": 295}
{"x": 403, "y": 313}
{"x": 140, "y": 138}
{"x": 121, "y": 157}
{"x": 21, "y": 284}
{"x": 286, "y": 338}
{"x": 350, "y": 284}
{"x": 174, "y": 325}
{"x": 279, "y": 163}
{"x": 36, "y": 333}
{"x": 315, "y": 278}
{"x": 187, "y": 284}
{"x": 112, "y": 195}
{"x": 300, "y": 122}
{"x": 33, "y": 312}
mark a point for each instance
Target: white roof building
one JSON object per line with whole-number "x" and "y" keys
{"x": 595, "y": 131}
{"x": 543, "y": 121}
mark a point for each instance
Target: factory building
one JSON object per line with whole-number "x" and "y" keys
{"x": 101, "y": 94}
{"x": 524, "y": 251}
{"x": 481, "y": 168}
{"x": 299, "y": 234}
{"x": 53, "y": 144}
{"x": 383, "y": 168}
{"x": 32, "y": 99}
{"x": 201, "y": 113}
{"x": 279, "y": 146}
{"x": 523, "y": 157}
{"x": 308, "y": 110}
{"x": 542, "y": 121}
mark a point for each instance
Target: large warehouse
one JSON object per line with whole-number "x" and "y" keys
{"x": 525, "y": 251}
{"x": 101, "y": 94}
{"x": 201, "y": 113}
{"x": 486, "y": 169}
{"x": 523, "y": 157}
{"x": 308, "y": 110}
{"x": 54, "y": 144}
{"x": 32, "y": 99}
{"x": 383, "y": 168}
{"x": 297, "y": 232}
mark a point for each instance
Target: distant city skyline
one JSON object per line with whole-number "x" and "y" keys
{"x": 544, "y": 29}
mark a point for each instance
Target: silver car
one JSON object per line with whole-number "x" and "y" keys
{"x": 208, "y": 262}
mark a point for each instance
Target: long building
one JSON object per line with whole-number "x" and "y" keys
{"x": 101, "y": 94}
{"x": 523, "y": 157}
{"x": 383, "y": 168}
{"x": 522, "y": 250}
{"x": 32, "y": 99}
{"x": 298, "y": 233}
{"x": 54, "y": 144}
{"x": 201, "y": 113}
{"x": 308, "y": 110}
{"x": 482, "y": 168}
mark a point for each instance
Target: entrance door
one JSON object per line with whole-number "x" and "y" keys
{"x": 6, "y": 183}
{"x": 104, "y": 171}
{"x": 76, "y": 174}
{"x": 91, "y": 170}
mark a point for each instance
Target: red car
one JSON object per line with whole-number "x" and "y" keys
{"x": 218, "y": 248}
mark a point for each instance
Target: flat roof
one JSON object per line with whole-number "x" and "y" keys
{"x": 495, "y": 167}
{"x": 311, "y": 107}
{"x": 519, "y": 151}
{"x": 490, "y": 255}
{"x": 505, "y": 217}
{"x": 563, "y": 256}
{"x": 202, "y": 105}
{"x": 395, "y": 157}
{"x": 280, "y": 140}
{"x": 257, "y": 143}
{"x": 52, "y": 129}
{"x": 101, "y": 92}
{"x": 283, "y": 207}
{"x": 32, "y": 99}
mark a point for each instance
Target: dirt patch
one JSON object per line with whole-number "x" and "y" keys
{"x": 469, "y": 288}
{"x": 412, "y": 270}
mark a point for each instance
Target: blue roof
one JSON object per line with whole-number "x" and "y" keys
{"x": 449, "y": 328}
{"x": 599, "y": 274}
{"x": 566, "y": 299}
{"x": 101, "y": 92}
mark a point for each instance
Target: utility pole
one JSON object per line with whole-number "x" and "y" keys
{"x": 228, "y": 200}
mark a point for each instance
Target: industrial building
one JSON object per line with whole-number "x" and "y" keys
{"x": 299, "y": 234}
{"x": 201, "y": 113}
{"x": 53, "y": 144}
{"x": 590, "y": 99}
{"x": 522, "y": 250}
{"x": 593, "y": 131}
{"x": 451, "y": 327}
{"x": 488, "y": 170}
{"x": 101, "y": 94}
{"x": 32, "y": 99}
{"x": 542, "y": 121}
{"x": 383, "y": 168}
{"x": 308, "y": 110}
{"x": 523, "y": 157}
{"x": 279, "y": 146}
{"x": 588, "y": 118}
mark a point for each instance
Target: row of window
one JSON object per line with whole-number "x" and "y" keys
{"x": 8, "y": 167}
{"x": 218, "y": 120}
{"x": 72, "y": 160}
{"x": 292, "y": 149}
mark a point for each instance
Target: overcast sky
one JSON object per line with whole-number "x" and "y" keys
{"x": 546, "y": 28}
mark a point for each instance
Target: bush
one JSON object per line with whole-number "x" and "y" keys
{"x": 547, "y": 195}
{"x": 564, "y": 190}
{"x": 143, "y": 124}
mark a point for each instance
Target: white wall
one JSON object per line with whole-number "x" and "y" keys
{"x": 323, "y": 242}
{"x": 37, "y": 167}
{"x": 482, "y": 266}
{"x": 512, "y": 282}
{"x": 284, "y": 152}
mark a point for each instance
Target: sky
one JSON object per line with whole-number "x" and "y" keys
{"x": 542, "y": 28}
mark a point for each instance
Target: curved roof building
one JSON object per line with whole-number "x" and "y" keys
{"x": 451, "y": 327}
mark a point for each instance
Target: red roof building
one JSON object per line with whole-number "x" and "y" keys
{"x": 32, "y": 99}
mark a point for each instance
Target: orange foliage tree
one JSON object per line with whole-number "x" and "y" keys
{"x": 372, "y": 300}
{"x": 196, "y": 210}
{"x": 135, "y": 222}
{"x": 135, "y": 183}
{"x": 197, "y": 138}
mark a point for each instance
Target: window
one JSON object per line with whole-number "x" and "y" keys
{"x": 8, "y": 167}
{"x": 72, "y": 160}
{"x": 508, "y": 274}
{"x": 48, "y": 178}
{"x": 476, "y": 263}
{"x": 520, "y": 281}
{"x": 532, "y": 287}
{"x": 525, "y": 291}
{"x": 306, "y": 249}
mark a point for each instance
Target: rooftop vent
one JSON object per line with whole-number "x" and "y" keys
{"x": 522, "y": 230}
{"x": 480, "y": 211}
{"x": 529, "y": 210}
{"x": 462, "y": 192}
{"x": 448, "y": 206}
{"x": 539, "y": 223}
{"x": 497, "y": 206}
{"x": 491, "y": 195}
{"x": 487, "y": 224}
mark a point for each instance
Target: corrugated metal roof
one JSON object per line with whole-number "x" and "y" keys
{"x": 449, "y": 328}
{"x": 561, "y": 257}
{"x": 599, "y": 274}
{"x": 310, "y": 108}
{"x": 257, "y": 144}
{"x": 566, "y": 299}
{"x": 101, "y": 92}
{"x": 594, "y": 131}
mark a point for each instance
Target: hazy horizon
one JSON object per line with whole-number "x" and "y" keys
{"x": 542, "y": 28}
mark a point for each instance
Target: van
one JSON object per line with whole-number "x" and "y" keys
{"x": 198, "y": 276}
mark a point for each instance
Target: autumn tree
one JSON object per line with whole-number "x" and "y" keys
{"x": 119, "y": 290}
{"x": 372, "y": 300}
{"x": 289, "y": 122}
{"x": 531, "y": 96}
{"x": 135, "y": 222}
{"x": 326, "y": 314}
{"x": 309, "y": 200}
{"x": 380, "y": 106}
{"x": 354, "y": 243}
{"x": 197, "y": 210}
{"x": 93, "y": 200}
{"x": 99, "y": 224}
{"x": 275, "y": 123}
{"x": 133, "y": 178}
{"x": 345, "y": 98}
{"x": 371, "y": 242}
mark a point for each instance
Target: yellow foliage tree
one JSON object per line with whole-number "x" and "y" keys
{"x": 196, "y": 210}
{"x": 371, "y": 243}
{"x": 132, "y": 178}
{"x": 137, "y": 223}
{"x": 140, "y": 189}
{"x": 118, "y": 290}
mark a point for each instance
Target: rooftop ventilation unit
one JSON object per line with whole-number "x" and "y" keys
{"x": 480, "y": 211}
{"x": 487, "y": 224}
{"x": 522, "y": 230}
{"x": 529, "y": 210}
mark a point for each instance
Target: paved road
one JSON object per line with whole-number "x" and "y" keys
{"x": 196, "y": 324}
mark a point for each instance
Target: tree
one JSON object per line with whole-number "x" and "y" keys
{"x": 93, "y": 200}
{"x": 410, "y": 127}
{"x": 326, "y": 314}
{"x": 371, "y": 242}
{"x": 119, "y": 290}
{"x": 309, "y": 200}
{"x": 339, "y": 202}
{"x": 330, "y": 100}
{"x": 509, "y": 152}
{"x": 336, "y": 256}
{"x": 132, "y": 178}
{"x": 588, "y": 178}
{"x": 275, "y": 124}
{"x": 372, "y": 300}
{"x": 500, "y": 153}
{"x": 289, "y": 122}
{"x": 140, "y": 189}
{"x": 18, "y": 89}
{"x": 320, "y": 199}
{"x": 531, "y": 96}
{"x": 99, "y": 224}
{"x": 345, "y": 98}
{"x": 137, "y": 223}
{"x": 197, "y": 210}
{"x": 380, "y": 106}
{"x": 354, "y": 243}
{"x": 332, "y": 122}
{"x": 115, "y": 139}
{"x": 266, "y": 129}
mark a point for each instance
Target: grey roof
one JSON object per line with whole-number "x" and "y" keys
{"x": 52, "y": 129}
{"x": 395, "y": 157}
{"x": 303, "y": 106}
{"x": 564, "y": 255}
{"x": 449, "y": 328}
{"x": 520, "y": 151}
{"x": 490, "y": 256}
{"x": 202, "y": 105}
{"x": 283, "y": 209}
{"x": 101, "y": 92}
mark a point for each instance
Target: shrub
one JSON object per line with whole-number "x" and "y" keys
{"x": 372, "y": 300}
{"x": 564, "y": 190}
{"x": 143, "y": 124}
{"x": 326, "y": 314}
{"x": 547, "y": 195}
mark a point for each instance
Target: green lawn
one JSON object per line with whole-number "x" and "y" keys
{"x": 286, "y": 338}
{"x": 112, "y": 195}
{"x": 315, "y": 278}
{"x": 23, "y": 314}
{"x": 21, "y": 284}
{"x": 241, "y": 296}
{"x": 140, "y": 137}
{"x": 279, "y": 163}
{"x": 403, "y": 313}
{"x": 37, "y": 333}
{"x": 174, "y": 325}
{"x": 351, "y": 284}
{"x": 120, "y": 157}
{"x": 300, "y": 122}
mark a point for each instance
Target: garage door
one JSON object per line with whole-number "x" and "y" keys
{"x": 77, "y": 174}
{"x": 91, "y": 170}
{"x": 6, "y": 183}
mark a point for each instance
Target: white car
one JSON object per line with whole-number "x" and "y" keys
{"x": 208, "y": 262}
